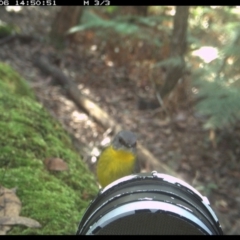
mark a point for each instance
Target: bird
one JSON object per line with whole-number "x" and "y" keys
{"x": 119, "y": 159}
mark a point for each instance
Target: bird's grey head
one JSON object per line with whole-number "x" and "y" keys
{"x": 125, "y": 140}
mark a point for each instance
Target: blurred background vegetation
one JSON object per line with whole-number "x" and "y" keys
{"x": 211, "y": 49}
{"x": 201, "y": 41}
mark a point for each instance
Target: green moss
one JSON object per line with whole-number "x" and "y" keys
{"x": 7, "y": 29}
{"x": 12, "y": 82}
{"x": 28, "y": 135}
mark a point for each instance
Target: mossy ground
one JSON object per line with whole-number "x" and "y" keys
{"x": 28, "y": 135}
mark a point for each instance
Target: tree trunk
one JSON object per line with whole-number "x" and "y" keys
{"x": 66, "y": 18}
{"x": 141, "y": 10}
{"x": 177, "y": 50}
{"x": 134, "y": 10}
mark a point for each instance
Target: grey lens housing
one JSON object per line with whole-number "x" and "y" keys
{"x": 149, "y": 203}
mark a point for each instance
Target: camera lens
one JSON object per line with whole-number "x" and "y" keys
{"x": 149, "y": 203}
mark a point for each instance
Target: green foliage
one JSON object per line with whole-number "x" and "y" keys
{"x": 219, "y": 86}
{"x": 8, "y": 82}
{"x": 111, "y": 9}
{"x": 212, "y": 25}
{"x": 170, "y": 62}
{"x": 28, "y": 135}
{"x": 220, "y": 102}
{"x": 7, "y": 29}
{"x": 91, "y": 20}
{"x": 208, "y": 188}
{"x": 218, "y": 82}
{"x": 122, "y": 25}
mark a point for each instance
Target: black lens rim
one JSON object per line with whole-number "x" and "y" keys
{"x": 162, "y": 185}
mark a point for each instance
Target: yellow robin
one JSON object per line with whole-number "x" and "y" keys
{"x": 118, "y": 159}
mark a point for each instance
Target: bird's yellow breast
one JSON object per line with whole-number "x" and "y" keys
{"x": 114, "y": 164}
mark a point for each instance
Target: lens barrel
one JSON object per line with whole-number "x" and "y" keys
{"x": 149, "y": 204}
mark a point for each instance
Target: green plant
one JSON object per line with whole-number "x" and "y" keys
{"x": 208, "y": 188}
{"x": 28, "y": 135}
{"x": 137, "y": 26}
{"x": 218, "y": 84}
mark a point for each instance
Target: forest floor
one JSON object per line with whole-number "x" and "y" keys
{"x": 179, "y": 140}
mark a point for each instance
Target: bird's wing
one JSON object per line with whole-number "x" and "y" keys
{"x": 137, "y": 167}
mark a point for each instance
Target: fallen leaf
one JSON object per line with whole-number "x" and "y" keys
{"x": 55, "y": 164}
{"x": 222, "y": 206}
{"x": 180, "y": 117}
{"x": 181, "y": 125}
{"x": 17, "y": 220}
{"x": 161, "y": 123}
{"x": 167, "y": 131}
{"x": 10, "y": 207}
{"x": 10, "y": 204}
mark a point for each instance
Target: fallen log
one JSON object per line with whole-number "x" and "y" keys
{"x": 74, "y": 93}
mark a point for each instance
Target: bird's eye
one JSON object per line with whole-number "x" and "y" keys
{"x": 134, "y": 145}
{"x": 122, "y": 141}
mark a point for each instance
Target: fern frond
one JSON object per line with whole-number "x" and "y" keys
{"x": 123, "y": 25}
